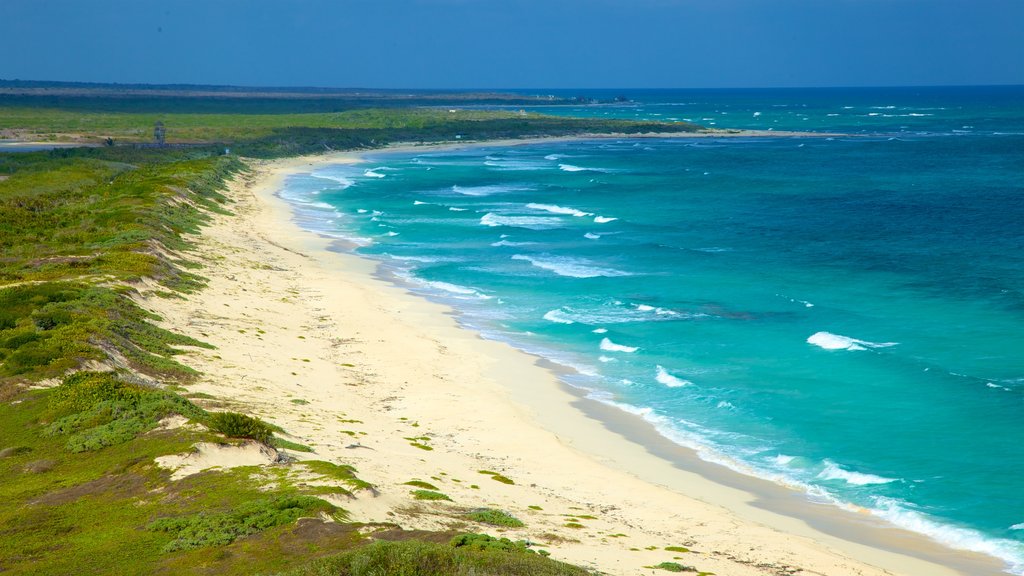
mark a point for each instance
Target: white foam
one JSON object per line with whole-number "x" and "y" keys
{"x": 531, "y": 222}
{"x": 488, "y": 190}
{"x": 553, "y": 156}
{"x": 604, "y": 358}
{"x": 898, "y": 513}
{"x": 419, "y": 203}
{"x": 669, "y": 380}
{"x": 372, "y": 173}
{"x": 507, "y": 243}
{"x": 782, "y": 459}
{"x": 1017, "y": 526}
{"x": 591, "y": 236}
{"x": 343, "y": 181}
{"x": 454, "y": 209}
{"x": 572, "y": 168}
{"x": 833, "y": 471}
{"x": 362, "y": 210}
{"x": 447, "y": 287}
{"x": 558, "y": 209}
{"x": 571, "y": 267}
{"x": 599, "y": 330}
{"x": 557, "y": 316}
{"x": 392, "y": 233}
{"x": 830, "y": 341}
{"x": 610, "y": 346}
{"x": 505, "y": 164}
{"x": 603, "y": 219}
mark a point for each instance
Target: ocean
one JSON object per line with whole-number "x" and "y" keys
{"x": 843, "y": 314}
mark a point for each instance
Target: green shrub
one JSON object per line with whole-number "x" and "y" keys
{"x": 673, "y": 567}
{"x": 97, "y": 410}
{"x": 429, "y": 495}
{"x": 487, "y": 542}
{"x": 495, "y": 518}
{"x": 217, "y": 529}
{"x": 415, "y": 558}
{"x": 235, "y": 425}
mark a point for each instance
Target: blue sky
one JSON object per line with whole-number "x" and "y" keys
{"x": 516, "y": 43}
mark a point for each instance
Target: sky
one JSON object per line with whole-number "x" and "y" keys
{"x": 516, "y": 43}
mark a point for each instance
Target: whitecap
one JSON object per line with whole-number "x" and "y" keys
{"x": 830, "y": 341}
{"x": 530, "y": 222}
{"x": 604, "y": 358}
{"x": 669, "y": 380}
{"x": 557, "y": 316}
{"x": 343, "y": 181}
{"x": 571, "y": 267}
{"x": 420, "y": 203}
{"x": 372, "y": 173}
{"x": 454, "y": 209}
{"x": 603, "y": 219}
{"x": 782, "y": 459}
{"x": 599, "y": 330}
{"x": 833, "y": 471}
{"x": 553, "y": 156}
{"x": 558, "y": 209}
{"x": 591, "y": 236}
{"x": 610, "y": 346}
{"x": 572, "y": 168}
{"x": 488, "y": 190}
{"x": 507, "y": 243}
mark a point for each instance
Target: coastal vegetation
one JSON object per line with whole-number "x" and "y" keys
{"x": 91, "y": 395}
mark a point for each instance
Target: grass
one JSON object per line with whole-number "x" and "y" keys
{"x": 676, "y": 549}
{"x": 205, "y": 529}
{"x": 421, "y": 484}
{"x": 413, "y": 558}
{"x": 429, "y": 495}
{"x": 673, "y": 567}
{"x": 495, "y": 518}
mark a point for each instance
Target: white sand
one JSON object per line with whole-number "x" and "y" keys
{"x": 376, "y": 366}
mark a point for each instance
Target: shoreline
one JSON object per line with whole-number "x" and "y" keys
{"x": 622, "y": 468}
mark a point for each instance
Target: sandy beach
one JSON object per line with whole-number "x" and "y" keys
{"x": 307, "y": 337}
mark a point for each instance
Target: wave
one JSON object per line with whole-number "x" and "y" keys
{"x": 669, "y": 380}
{"x": 830, "y": 341}
{"x": 554, "y": 156}
{"x": 572, "y": 168}
{"x": 489, "y": 189}
{"x": 513, "y": 244}
{"x": 899, "y": 513}
{"x": 599, "y": 330}
{"x": 446, "y": 287}
{"x": 454, "y": 209}
{"x": 833, "y": 471}
{"x": 591, "y": 236}
{"x": 558, "y": 209}
{"x": 603, "y": 219}
{"x": 571, "y": 267}
{"x": 558, "y": 317}
{"x": 610, "y": 346}
{"x": 530, "y": 222}
{"x": 372, "y": 173}
{"x": 343, "y": 181}
{"x": 508, "y": 165}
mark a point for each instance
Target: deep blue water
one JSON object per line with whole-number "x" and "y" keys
{"x": 842, "y": 314}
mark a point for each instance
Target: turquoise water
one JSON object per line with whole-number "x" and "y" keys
{"x": 843, "y": 314}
